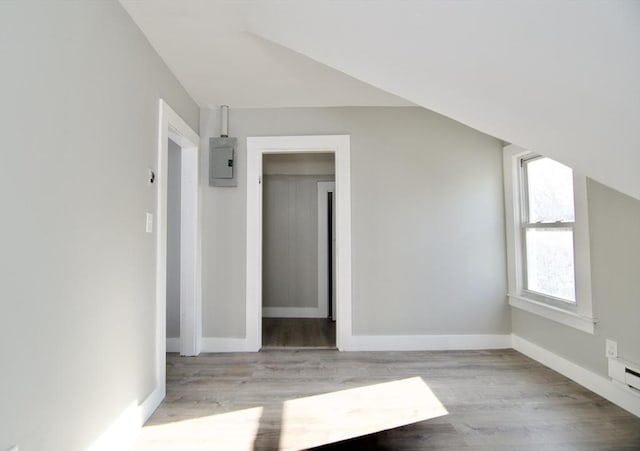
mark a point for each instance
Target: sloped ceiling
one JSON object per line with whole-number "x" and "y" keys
{"x": 558, "y": 77}
{"x": 207, "y": 46}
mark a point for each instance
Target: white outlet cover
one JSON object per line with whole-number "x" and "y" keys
{"x": 611, "y": 349}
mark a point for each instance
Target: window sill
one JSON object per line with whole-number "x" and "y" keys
{"x": 556, "y": 314}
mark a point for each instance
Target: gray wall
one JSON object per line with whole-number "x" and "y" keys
{"x": 614, "y": 221}
{"x": 173, "y": 240}
{"x": 290, "y": 240}
{"x": 79, "y": 86}
{"x": 298, "y": 164}
{"x": 427, "y": 221}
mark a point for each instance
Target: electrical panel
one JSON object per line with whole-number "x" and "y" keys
{"x": 222, "y": 161}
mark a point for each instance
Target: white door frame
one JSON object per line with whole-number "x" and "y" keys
{"x": 324, "y": 188}
{"x": 171, "y": 125}
{"x": 339, "y": 145}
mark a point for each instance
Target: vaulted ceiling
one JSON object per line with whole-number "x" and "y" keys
{"x": 558, "y": 77}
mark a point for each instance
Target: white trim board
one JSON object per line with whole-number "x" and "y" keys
{"x": 553, "y": 313}
{"x": 293, "y": 312}
{"x": 427, "y": 342}
{"x": 190, "y": 249}
{"x": 384, "y": 343}
{"x": 600, "y": 385}
{"x": 339, "y": 145}
{"x": 122, "y": 433}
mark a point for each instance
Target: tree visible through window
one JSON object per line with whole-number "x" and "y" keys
{"x": 548, "y": 229}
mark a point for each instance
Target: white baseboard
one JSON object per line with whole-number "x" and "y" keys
{"x": 151, "y": 403}
{"x": 122, "y": 433}
{"x": 218, "y": 344}
{"x": 382, "y": 343}
{"x": 173, "y": 344}
{"x": 426, "y": 342}
{"x": 292, "y": 312}
{"x": 600, "y": 385}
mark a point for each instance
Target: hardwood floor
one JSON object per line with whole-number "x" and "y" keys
{"x": 496, "y": 400}
{"x": 298, "y": 333}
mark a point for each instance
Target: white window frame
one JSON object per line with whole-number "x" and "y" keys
{"x": 579, "y": 314}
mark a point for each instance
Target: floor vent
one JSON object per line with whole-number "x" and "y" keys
{"x": 625, "y": 373}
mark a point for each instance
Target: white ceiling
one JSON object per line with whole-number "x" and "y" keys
{"x": 208, "y": 48}
{"x": 558, "y": 77}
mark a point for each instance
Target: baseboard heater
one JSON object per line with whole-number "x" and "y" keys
{"x": 625, "y": 373}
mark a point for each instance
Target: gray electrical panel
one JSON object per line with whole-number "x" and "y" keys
{"x": 222, "y": 161}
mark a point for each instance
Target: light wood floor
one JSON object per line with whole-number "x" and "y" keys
{"x": 496, "y": 400}
{"x": 298, "y": 333}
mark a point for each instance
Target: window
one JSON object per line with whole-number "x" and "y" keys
{"x": 548, "y": 243}
{"x": 548, "y": 220}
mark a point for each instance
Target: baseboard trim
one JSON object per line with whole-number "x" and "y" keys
{"x": 151, "y": 403}
{"x": 382, "y": 343}
{"x": 292, "y": 312}
{"x": 122, "y": 433}
{"x": 219, "y": 344}
{"x": 426, "y": 342}
{"x": 603, "y": 386}
{"x": 173, "y": 344}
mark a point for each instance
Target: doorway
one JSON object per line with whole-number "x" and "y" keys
{"x": 338, "y": 145}
{"x": 183, "y": 330}
{"x": 296, "y": 298}
{"x": 178, "y": 142}
{"x": 327, "y": 246}
{"x": 174, "y": 221}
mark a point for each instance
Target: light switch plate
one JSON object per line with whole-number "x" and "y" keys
{"x": 149, "y": 227}
{"x": 611, "y": 349}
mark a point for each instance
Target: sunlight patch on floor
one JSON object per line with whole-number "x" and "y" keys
{"x": 300, "y": 423}
{"x": 332, "y": 417}
{"x": 226, "y": 431}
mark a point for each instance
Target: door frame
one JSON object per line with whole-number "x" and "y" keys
{"x": 339, "y": 145}
{"x": 172, "y": 126}
{"x": 324, "y": 188}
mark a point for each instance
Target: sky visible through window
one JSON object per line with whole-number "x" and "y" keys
{"x": 550, "y": 191}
